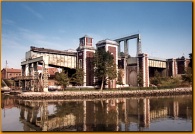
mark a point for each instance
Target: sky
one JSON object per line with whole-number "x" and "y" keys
{"x": 165, "y": 27}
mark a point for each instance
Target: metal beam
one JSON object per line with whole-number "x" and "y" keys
{"x": 127, "y": 38}
{"x": 32, "y": 60}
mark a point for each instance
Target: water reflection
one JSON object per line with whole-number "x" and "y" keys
{"x": 120, "y": 114}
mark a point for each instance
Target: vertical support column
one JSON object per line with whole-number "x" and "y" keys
{"x": 26, "y": 70}
{"x": 126, "y": 51}
{"x": 45, "y": 74}
{"x": 142, "y": 67}
{"x": 174, "y": 68}
{"x": 146, "y": 66}
{"x": 125, "y": 61}
{"x": 119, "y": 49}
{"x": 30, "y": 69}
{"x": 30, "y": 83}
{"x": 84, "y": 66}
{"x": 36, "y": 75}
{"x": 23, "y": 70}
{"x": 139, "y": 50}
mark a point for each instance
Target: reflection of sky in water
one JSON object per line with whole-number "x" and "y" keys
{"x": 51, "y": 109}
{"x": 163, "y": 124}
{"x": 10, "y": 120}
{"x": 168, "y": 124}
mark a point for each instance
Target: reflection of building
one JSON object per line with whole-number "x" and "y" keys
{"x": 8, "y": 102}
{"x": 122, "y": 114}
{"x": 45, "y": 121}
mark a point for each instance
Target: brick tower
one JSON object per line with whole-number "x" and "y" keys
{"x": 143, "y": 68}
{"x": 85, "y": 53}
{"x": 112, "y": 47}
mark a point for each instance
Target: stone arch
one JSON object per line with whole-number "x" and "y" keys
{"x": 133, "y": 78}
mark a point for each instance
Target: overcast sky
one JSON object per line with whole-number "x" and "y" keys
{"x": 165, "y": 27}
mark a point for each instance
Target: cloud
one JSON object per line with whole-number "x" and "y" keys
{"x": 8, "y": 22}
{"x": 36, "y": 14}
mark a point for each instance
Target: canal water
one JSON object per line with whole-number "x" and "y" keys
{"x": 118, "y": 114}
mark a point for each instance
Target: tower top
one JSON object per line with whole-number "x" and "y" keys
{"x": 106, "y": 41}
{"x": 85, "y": 42}
{"x": 86, "y": 36}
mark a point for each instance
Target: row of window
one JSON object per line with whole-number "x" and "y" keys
{"x": 14, "y": 74}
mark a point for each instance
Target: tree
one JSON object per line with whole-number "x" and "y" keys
{"x": 188, "y": 75}
{"x": 62, "y": 79}
{"x": 190, "y": 64}
{"x": 77, "y": 78}
{"x": 156, "y": 80}
{"x": 105, "y": 69}
{"x": 120, "y": 78}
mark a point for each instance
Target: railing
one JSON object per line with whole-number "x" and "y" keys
{"x": 25, "y": 78}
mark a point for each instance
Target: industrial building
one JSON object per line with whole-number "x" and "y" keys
{"x": 83, "y": 55}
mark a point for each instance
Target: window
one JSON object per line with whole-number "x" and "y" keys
{"x": 82, "y": 42}
{"x": 80, "y": 63}
{"x": 89, "y": 40}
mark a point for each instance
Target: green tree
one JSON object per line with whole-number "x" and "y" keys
{"x": 120, "y": 78}
{"x": 105, "y": 69}
{"x": 156, "y": 80}
{"x": 188, "y": 75}
{"x": 77, "y": 78}
{"x": 62, "y": 79}
{"x": 190, "y": 56}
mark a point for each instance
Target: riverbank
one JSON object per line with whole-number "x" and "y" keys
{"x": 102, "y": 94}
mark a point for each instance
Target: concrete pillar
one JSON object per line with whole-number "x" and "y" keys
{"x": 126, "y": 48}
{"x": 23, "y": 70}
{"x": 26, "y": 70}
{"x": 35, "y": 75}
{"x": 119, "y": 49}
{"x": 84, "y": 67}
{"x": 174, "y": 68}
{"x": 142, "y": 65}
{"x": 139, "y": 51}
{"x": 45, "y": 74}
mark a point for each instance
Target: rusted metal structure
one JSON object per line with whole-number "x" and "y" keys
{"x": 31, "y": 79}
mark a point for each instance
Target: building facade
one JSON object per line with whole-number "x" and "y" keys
{"x": 9, "y": 73}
